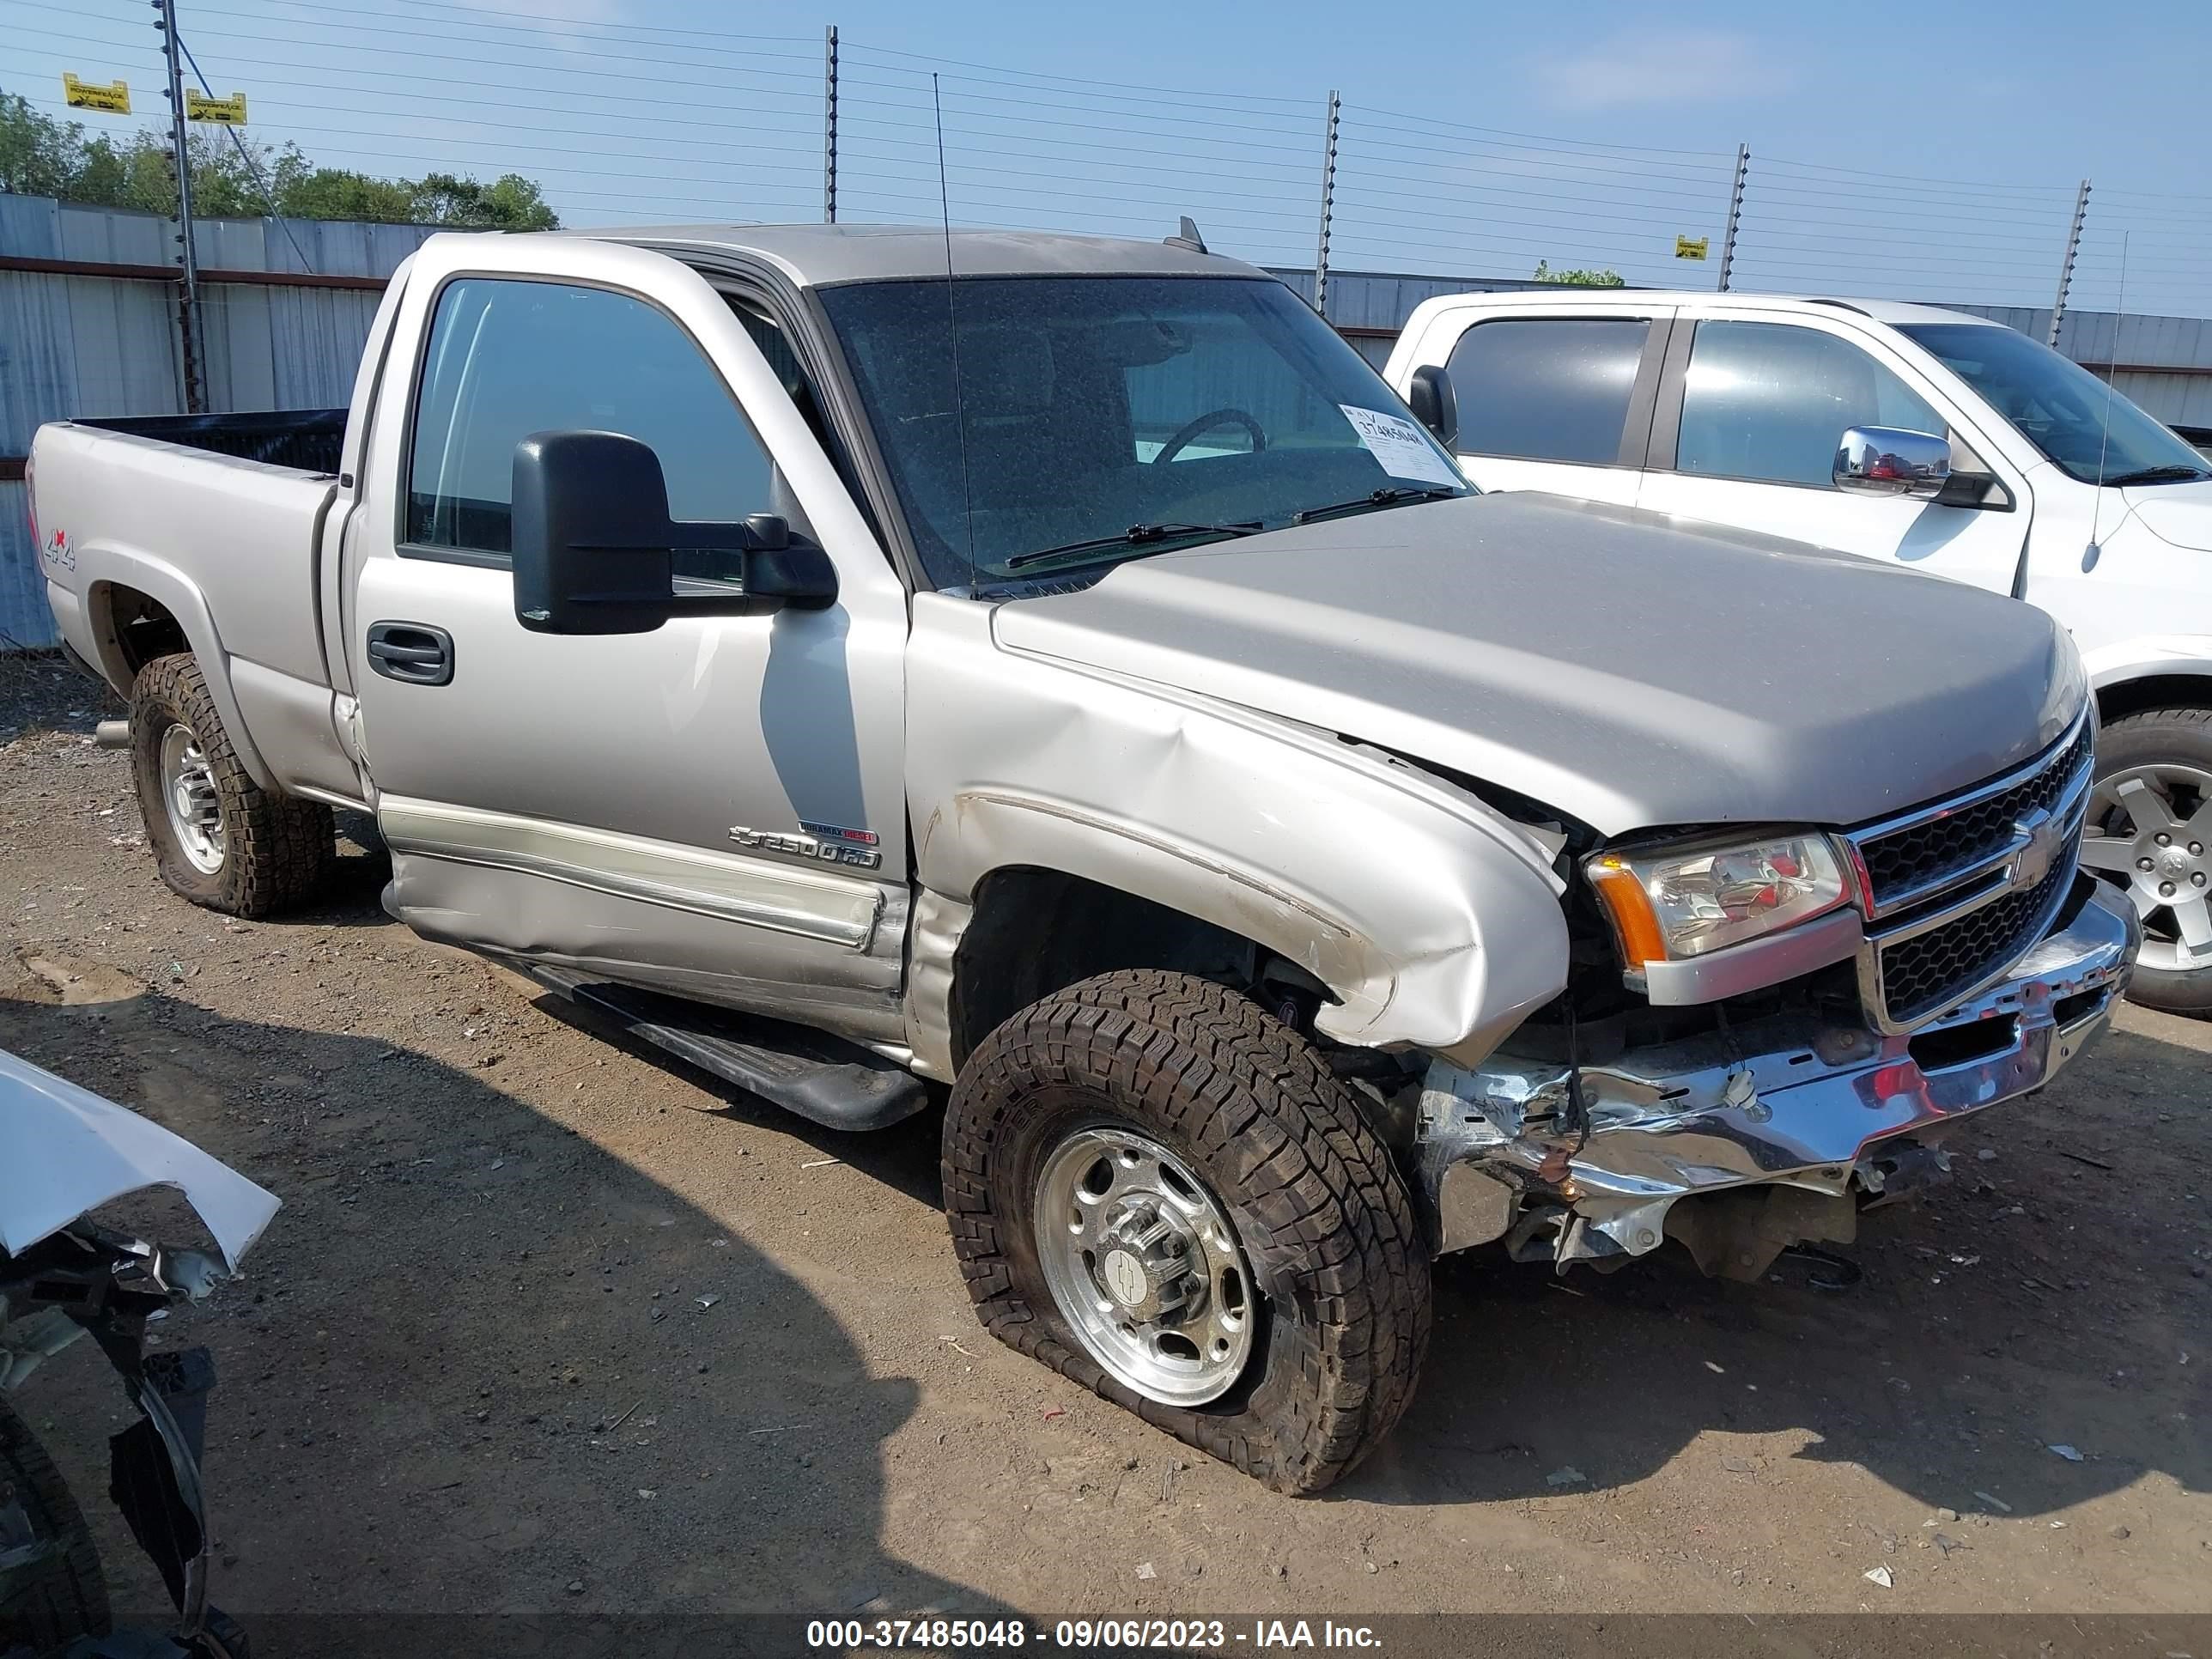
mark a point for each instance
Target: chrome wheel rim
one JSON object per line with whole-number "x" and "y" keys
{"x": 2150, "y": 833}
{"x": 1143, "y": 1263}
{"x": 188, "y": 791}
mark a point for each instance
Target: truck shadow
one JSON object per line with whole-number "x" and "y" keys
{"x": 1981, "y": 1337}
{"x": 479, "y": 1363}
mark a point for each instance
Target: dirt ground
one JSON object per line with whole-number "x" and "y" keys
{"x": 552, "y": 1324}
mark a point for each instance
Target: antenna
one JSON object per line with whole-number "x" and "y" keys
{"x": 952, "y": 329}
{"x": 2104, "y": 438}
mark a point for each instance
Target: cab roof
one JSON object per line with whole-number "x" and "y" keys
{"x": 815, "y": 256}
{"x": 1882, "y": 311}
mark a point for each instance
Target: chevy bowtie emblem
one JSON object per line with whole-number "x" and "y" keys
{"x": 2041, "y": 853}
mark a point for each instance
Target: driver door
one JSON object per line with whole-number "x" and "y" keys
{"x": 652, "y": 807}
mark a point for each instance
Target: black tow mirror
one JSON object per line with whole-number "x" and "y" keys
{"x": 1434, "y": 403}
{"x": 593, "y": 548}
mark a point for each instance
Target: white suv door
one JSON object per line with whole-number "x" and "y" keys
{"x": 1557, "y": 400}
{"x": 1751, "y": 408}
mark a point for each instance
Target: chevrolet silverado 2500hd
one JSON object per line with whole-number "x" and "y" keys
{"x": 1072, "y": 676}
{"x": 1949, "y": 444}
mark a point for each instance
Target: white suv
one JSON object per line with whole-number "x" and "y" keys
{"x": 1947, "y": 442}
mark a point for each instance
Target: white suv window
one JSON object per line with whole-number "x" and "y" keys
{"x": 1768, "y": 402}
{"x": 1546, "y": 388}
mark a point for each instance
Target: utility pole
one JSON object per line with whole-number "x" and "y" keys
{"x": 188, "y": 292}
{"x": 1327, "y": 206}
{"x": 830, "y": 124}
{"x": 1734, "y": 214}
{"x": 2066, "y": 266}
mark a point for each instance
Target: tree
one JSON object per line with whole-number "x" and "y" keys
{"x": 510, "y": 202}
{"x": 236, "y": 177}
{"x": 1544, "y": 273}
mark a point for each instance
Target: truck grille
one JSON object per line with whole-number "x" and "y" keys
{"x": 1924, "y": 854}
{"x": 1921, "y": 974}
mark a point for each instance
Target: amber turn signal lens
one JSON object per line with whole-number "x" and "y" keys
{"x": 1634, "y": 921}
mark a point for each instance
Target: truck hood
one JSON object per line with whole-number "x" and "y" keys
{"x": 2180, "y": 514}
{"x": 1624, "y": 668}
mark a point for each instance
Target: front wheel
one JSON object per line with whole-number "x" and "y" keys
{"x": 1162, "y": 1191}
{"x": 2150, "y": 833}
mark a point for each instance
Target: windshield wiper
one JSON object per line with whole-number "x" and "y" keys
{"x": 1135, "y": 536}
{"x": 1387, "y": 497}
{"x": 2172, "y": 473}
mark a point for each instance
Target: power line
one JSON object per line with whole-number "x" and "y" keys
{"x": 1537, "y": 139}
{"x": 1206, "y": 94}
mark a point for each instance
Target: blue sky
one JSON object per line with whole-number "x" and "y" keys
{"x": 1904, "y": 154}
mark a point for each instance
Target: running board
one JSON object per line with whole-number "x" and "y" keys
{"x": 836, "y": 1084}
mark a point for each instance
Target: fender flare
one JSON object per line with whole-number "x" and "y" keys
{"x": 103, "y": 570}
{"x": 2148, "y": 658}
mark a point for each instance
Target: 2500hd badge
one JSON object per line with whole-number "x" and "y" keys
{"x": 856, "y": 848}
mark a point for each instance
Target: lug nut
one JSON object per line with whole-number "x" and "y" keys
{"x": 2142, "y": 864}
{"x": 2198, "y": 878}
{"x": 2163, "y": 839}
{"x": 2165, "y": 888}
{"x": 2196, "y": 849}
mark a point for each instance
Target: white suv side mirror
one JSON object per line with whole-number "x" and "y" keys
{"x": 1888, "y": 460}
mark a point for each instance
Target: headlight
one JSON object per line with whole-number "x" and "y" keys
{"x": 1676, "y": 902}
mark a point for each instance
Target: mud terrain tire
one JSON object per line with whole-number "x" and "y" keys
{"x": 1320, "y": 1210}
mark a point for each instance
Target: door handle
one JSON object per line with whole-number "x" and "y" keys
{"x": 411, "y": 652}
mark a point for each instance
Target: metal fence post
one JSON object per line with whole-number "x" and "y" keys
{"x": 1735, "y": 213}
{"x": 1327, "y": 204}
{"x": 2066, "y": 266}
{"x": 830, "y": 124}
{"x": 188, "y": 292}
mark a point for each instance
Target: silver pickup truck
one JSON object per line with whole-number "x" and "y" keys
{"x": 860, "y": 660}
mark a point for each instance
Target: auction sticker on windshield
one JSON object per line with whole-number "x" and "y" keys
{"x": 1402, "y": 447}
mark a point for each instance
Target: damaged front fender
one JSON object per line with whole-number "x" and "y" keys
{"x": 1433, "y": 921}
{"x": 64, "y": 1150}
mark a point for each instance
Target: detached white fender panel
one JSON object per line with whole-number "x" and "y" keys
{"x": 1433, "y": 921}
{"x": 64, "y": 1150}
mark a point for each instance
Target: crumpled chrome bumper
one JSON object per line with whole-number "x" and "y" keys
{"x": 1834, "y": 1112}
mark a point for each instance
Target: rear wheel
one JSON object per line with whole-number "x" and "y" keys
{"x": 219, "y": 838}
{"x": 2151, "y": 835}
{"x": 1162, "y": 1191}
{"x": 58, "y": 1592}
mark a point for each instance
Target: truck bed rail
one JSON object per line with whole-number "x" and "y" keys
{"x": 305, "y": 440}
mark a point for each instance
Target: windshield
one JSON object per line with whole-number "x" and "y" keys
{"x": 2059, "y": 406}
{"x": 1189, "y": 408}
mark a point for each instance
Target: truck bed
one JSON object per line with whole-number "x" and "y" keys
{"x": 305, "y": 440}
{"x": 216, "y": 522}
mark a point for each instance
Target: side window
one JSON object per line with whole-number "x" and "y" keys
{"x": 1547, "y": 389}
{"x": 508, "y": 358}
{"x": 1768, "y": 401}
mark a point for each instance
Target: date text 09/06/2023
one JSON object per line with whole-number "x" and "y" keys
{"x": 1180, "y": 1635}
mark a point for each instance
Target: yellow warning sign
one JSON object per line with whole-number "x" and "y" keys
{"x": 113, "y": 99}
{"x": 1687, "y": 247}
{"x": 223, "y": 111}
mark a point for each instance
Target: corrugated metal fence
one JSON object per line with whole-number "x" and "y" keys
{"x": 87, "y": 327}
